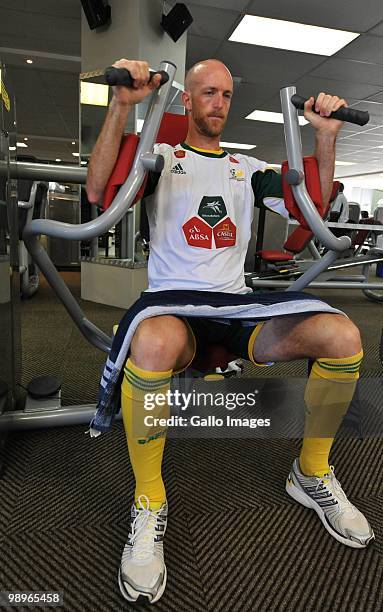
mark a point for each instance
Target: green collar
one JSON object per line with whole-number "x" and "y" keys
{"x": 203, "y": 153}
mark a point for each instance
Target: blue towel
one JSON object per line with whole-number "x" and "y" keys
{"x": 249, "y": 307}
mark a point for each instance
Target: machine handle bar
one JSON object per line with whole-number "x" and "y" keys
{"x": 122, "y": 76}
{"x": 343, "y": 114}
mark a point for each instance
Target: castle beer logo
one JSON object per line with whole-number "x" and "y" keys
{"x": 233, "y": 160}
{"x": 180, "y": 154}
{"x": 197, "y": 233}
{"x": 212, "y": 209}
{"x": 238, "y": 175}
{"x": 225, "y": 234}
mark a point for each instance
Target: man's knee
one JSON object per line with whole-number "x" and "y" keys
{"x": 159, "y": 342}
{"x": 333, "y": 336}
{"x": 343, "y": 337}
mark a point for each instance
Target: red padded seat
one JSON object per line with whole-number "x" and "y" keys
{"x": 215, "y": 356}
{"x": 298, "y": 240}
{"x": 275, "y": 256}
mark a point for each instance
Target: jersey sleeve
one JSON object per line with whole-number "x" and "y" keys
{"x": 151, "y": 184}
{"x": 153, "y": 177}
{"x": 268, "y": 192}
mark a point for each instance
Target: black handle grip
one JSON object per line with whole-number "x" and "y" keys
{"x": 343, "y": 114}
{"x": 122, "y": 76}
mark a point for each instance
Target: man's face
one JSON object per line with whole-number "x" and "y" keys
{"x": 209, "y": 102}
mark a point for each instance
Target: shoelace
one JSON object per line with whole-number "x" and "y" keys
{"x": 144, "y": 528}
{"x": 333, "y": 485}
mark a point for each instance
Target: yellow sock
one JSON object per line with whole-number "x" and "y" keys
{"x": 329, "y": 391}
{"x": 145, "y": 443}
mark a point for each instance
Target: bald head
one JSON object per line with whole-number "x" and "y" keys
{"x": 198, "y": 73}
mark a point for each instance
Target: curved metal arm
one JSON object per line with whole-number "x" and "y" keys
{"x": 99, "y": 226}
{"x": 295, "y": 160}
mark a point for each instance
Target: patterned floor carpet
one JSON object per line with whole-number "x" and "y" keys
{"x": 235, "y": 540}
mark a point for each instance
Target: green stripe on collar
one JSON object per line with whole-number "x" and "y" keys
{"x": 203, "y": 153}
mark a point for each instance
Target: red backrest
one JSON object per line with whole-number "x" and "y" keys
{"x": 298, "y": 240}
{"x": 173, "y": 130}
{"x": 313, "y": 187}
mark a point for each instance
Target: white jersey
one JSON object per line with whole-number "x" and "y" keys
{"x": 200, "y": 217}
{"x": 340, "y": 205}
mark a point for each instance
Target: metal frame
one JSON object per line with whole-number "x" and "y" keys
{"x": 334, "y": 245}
{"x": 144, "y": 160}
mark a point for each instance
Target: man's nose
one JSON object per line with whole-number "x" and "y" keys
{"x": 218, "y": 100}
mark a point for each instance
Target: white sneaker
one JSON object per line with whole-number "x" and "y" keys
{"x": 326, "y": 496}
{"x": 142, "y": 570}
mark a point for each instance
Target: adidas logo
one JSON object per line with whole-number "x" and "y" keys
{"x": 178, "y": 169}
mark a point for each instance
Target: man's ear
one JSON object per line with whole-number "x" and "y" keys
{"x": 186, "y": 99}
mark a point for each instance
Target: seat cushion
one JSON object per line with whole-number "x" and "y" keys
{"x": 275, "y": 256}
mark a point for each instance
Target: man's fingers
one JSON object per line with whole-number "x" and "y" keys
{"x": 308, "y": 104}
{"x": 326, "y": 104}
{"x": 319, "y": 101}
{"x": 139, "y": 71}
{"x": 155, "y": 81}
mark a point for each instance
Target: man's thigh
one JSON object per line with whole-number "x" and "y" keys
{"x": 306, "y": 336}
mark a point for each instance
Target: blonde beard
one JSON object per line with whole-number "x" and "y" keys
{"x": 205, "y": 129}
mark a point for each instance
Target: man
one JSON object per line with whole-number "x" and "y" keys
{"x": 339, "y": 207}
{"x": 200, "y": 188}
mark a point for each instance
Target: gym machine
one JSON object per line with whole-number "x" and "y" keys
{"x": 289, "y": 272}
{"x": 47, "y": 411}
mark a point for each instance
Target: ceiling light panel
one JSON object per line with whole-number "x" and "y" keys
{"x": 95, "y": 94}
{"x": 270, "y": 117}
{"x": 237, "y": 145}
{"x": 290, "y": 36}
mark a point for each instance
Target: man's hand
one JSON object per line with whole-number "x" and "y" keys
{"x": 325, "y": 104}
{"x": 142, "y": 87}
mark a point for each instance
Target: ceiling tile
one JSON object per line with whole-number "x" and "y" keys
{"x": 64, "y": 8}
{"x": 310, "y": 84}
{"x": 219, "y": 4}
{"x": 376, "y": 98}
{"x": 49, "y": 33}
{"x": 351, "y": 71}
{"x": 263, "y": 65}
{"x": 47, "y": 95}
{"x": 213, "y": 23}
{"x": 363, "y": 49}
{"x": 249, "y": 96}
{"x": 378, "y": 30}
{"x": 200, "y": 48}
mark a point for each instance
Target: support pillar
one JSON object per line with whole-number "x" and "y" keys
{"x": 135, "y": 32}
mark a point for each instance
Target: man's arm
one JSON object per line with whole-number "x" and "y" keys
{"x": 105, "y": 152}
{"x": 106, "y": 149}
{"x": 326, "y": 131}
